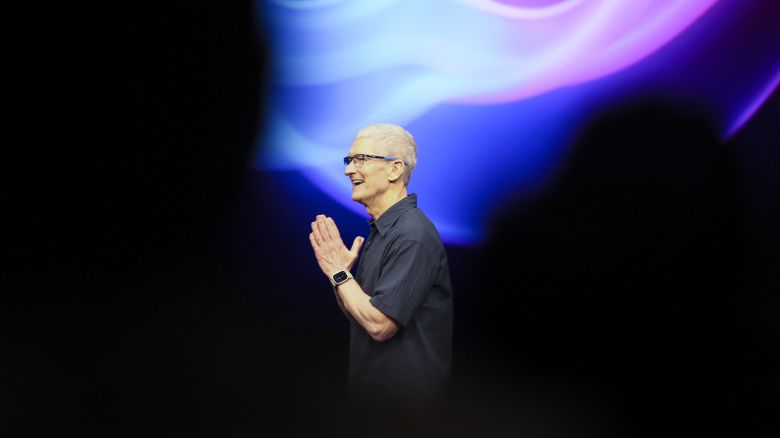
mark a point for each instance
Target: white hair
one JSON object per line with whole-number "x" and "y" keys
{"x": 396, "y": 142}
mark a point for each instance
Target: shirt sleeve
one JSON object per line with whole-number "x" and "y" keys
{"x": 406, "y": 279}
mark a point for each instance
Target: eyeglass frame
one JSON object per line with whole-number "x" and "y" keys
{"x": 348, "y": 160}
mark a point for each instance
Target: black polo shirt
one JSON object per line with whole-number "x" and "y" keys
{"x": 403, "y": 267}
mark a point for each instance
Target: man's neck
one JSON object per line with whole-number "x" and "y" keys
{"x": 386, "y": 202}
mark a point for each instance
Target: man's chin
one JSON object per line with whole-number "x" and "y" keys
{"x": 359, "y": 199}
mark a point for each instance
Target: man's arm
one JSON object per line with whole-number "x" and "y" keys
{"x": 378, "y": 325}
{"x": 340, "y": 302}
{"x": 333, "y": 256}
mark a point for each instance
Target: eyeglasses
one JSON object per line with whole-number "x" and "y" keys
{"x": 359, "y": 159}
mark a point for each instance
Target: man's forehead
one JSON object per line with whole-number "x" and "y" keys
{"x": 365, "y": 145}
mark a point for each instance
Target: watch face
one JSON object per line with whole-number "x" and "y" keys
{"x": 340, "y": 276}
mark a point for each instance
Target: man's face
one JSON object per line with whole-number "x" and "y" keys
{"x": 369, "y": 180}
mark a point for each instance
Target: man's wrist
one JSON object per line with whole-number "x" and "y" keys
{"x": 340, "y": 277}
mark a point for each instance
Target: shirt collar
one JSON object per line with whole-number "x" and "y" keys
{"x": 390, "y": 217}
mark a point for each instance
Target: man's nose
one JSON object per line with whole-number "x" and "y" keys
{"x": 350, "y": 169}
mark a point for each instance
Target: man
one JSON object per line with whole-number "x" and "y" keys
{"x": 399, "y": 302}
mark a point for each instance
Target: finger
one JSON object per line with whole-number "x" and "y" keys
{"x": 315, "y": 247}
{"x": 322, "y": 227}
{"x": 333, "y": 230}
{"x": 356, "y": 245}
{"x": 316, "y": 232}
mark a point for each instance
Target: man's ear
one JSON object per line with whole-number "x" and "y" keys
{"x": 396, "y": 171}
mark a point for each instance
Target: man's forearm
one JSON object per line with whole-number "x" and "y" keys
{"x": 356, "y": 302}
{"x": 340, "y": 302}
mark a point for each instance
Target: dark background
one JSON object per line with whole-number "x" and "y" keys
{"x": 154, "y": 285}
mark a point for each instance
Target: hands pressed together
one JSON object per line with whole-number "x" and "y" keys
{"x": 331, "y": 253}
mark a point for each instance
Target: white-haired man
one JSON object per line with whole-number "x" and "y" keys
{"x": 399, "y": 302}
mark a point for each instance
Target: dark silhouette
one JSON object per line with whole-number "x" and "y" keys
{"x": 625, "y": 276}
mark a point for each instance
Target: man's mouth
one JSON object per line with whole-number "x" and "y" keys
{"x": 357, "y": 182}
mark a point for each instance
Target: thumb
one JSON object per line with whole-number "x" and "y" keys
{"x": 356, "y": 245}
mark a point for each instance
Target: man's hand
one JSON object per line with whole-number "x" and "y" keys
{"x": 329, "y": 249}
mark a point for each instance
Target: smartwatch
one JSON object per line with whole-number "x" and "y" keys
{"x": 340, "y": 277}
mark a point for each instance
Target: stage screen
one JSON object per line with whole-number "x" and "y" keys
{"x": 494, "y": 91}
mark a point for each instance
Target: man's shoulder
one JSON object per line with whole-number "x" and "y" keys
{"x": 414, "y": 225}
